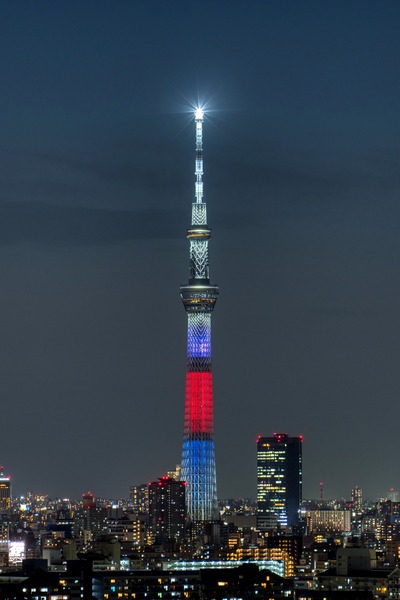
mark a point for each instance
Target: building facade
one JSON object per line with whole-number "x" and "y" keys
{"x": 140, "y": 498}
{"x": 328, "y": 521}
{"x": 5, "y": 492}
{"x": 279, "y": 481}
{"x": 167, "y": 509}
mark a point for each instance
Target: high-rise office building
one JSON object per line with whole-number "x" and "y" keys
{"x": 356, "y": 499}
{"x": 140, "y": 498}
{"x": 279, "y": 481}
{"x": 5, "y": 492}
{"x": 199, "y": 297}
{"x": 167, "y": 509}
{"x": 92, "y": 519}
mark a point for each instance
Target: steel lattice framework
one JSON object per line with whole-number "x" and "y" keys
{"x": 199, "y": 298}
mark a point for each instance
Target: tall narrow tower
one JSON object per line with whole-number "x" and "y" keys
{"x": 199, "y": 298}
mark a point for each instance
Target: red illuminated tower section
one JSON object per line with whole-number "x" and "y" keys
{"x": 199, "y": 298}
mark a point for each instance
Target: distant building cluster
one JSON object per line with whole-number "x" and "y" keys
{"x": 278, "y": 546}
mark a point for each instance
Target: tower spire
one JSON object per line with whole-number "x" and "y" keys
{"x": 199, "y": 298}
{"x": 199, "y": 116}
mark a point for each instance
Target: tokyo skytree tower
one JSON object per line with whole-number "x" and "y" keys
{"x": 199, "y": 298}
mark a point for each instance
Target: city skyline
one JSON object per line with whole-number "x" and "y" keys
{"x": 302, "y": 176}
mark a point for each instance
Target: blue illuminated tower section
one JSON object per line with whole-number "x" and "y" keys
{"x": 199, "y": 298}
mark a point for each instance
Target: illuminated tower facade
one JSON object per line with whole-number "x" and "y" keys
{"x": 279, "y": 481}
{"x": 199, "y": 298}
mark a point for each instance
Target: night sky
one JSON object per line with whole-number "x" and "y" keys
{"x": 302, "y": 181}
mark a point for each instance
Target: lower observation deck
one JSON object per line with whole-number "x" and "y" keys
{"x": 199, "y": 296}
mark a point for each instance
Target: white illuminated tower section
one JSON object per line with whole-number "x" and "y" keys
{"x": 199, "y": 298}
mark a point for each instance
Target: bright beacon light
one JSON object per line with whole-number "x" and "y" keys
{"x": 198, "y": 113}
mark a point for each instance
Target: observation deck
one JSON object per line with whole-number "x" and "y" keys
{"x": 199, "y": 295}
{"x": 199, "y": 232}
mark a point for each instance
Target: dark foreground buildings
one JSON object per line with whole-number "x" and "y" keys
{"x": 80, "y": 582}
